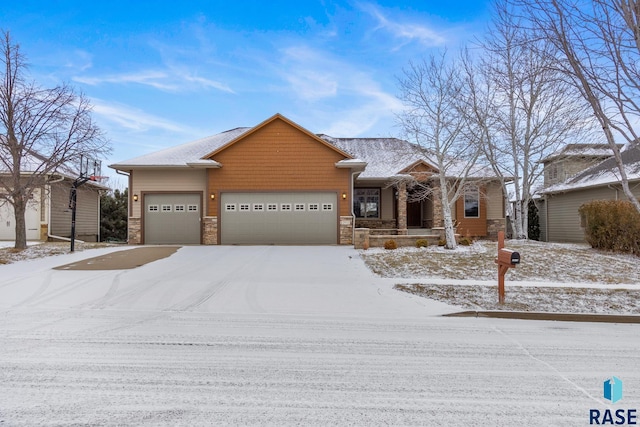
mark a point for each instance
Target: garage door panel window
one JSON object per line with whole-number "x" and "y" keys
{"x": 167, "y": 208}
{"x": 285, "y": 207}
{"x": 258, "y": 207}
{"x": 299, "y": 207}
{"x": 230, "y": 207}
{"x": 192, "y": 208}
{"x": 314, "y": 207}
{"x": 327, "y": 207}
{"x": 272, "y": 207}
{"x": 179, "y": 208}
{"x": 154, "y": 208}
{"x": 245, "y": 207}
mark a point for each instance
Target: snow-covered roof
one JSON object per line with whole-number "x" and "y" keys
{"x": 603, "y": 173}
{"x": 601, "y": 151}
{"x": 384, "y": 157}
{"x": 185, "y": 155}
{"x": 390, "y": 157}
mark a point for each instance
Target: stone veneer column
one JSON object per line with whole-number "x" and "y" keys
{"x": 402, "y": 208}
{"x": 135, "y": 231}
{"x": 346, "y": 230}
{"x": 438, "y": 216}
{"x": 210, "y": 230}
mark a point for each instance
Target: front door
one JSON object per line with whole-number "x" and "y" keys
{"x": 414, "y": 214}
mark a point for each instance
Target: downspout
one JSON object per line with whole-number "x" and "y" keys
{"x": 130, "y": 197}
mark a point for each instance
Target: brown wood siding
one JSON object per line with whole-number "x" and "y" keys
{"x": 86, "y": 212}
{"x": 475, "y": 227}
{"x": 279, "y": 157}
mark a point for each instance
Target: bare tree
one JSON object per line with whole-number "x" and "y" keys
{"x": 40, "y": 131}
{"x": 431, "y": 91}
{"x": 597, "y": 46}
{"x": 523, "y": 108}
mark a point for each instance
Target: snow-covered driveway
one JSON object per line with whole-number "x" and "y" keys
{"x": 283, "y": 336}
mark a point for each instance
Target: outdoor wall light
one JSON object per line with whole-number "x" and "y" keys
{"x": 135, "y": 197}
{"x": 344, "y": 196}
{"x": 213, "y": 196}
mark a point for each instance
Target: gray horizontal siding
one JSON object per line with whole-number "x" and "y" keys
{"x": 86, "y": 212}
{"x": 563, "y": 220}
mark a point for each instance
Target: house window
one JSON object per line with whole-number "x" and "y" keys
{"x": 366, "y": 202}
{"x": 472, "y": 202}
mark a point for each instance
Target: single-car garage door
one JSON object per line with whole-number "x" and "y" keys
{"x": 279, "y": 218}
{"x": 172, "y": 219}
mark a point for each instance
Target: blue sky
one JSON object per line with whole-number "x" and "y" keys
{"x": 163, "y": 73}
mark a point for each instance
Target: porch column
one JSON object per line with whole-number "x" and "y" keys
{"x": 402, "y": 208}
{"x": 438, "y": 217}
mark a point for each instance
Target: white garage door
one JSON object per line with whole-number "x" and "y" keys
{"x": 32, "y": 220}
{"x": 279, "y": 218}
{"x": 172, "y": 219}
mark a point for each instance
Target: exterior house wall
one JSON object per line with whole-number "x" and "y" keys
{"x": 87, "y": 209}
{"x": 166, "y": 181}
{"x": 33, "y": 217}
{"x": 560, "y": 170}
{"x": 279, "y": 157}
{"x": 143, "y": 181}
{"x": 388, "y": 201}
{"x": 476, "y": 227}
{"x": 563, "y": 218}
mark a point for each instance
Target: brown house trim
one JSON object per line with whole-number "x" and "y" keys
{"x": 142, "y": 210}
{"x": 277, "y": 116}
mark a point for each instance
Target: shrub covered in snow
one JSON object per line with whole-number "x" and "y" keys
{"x": 422, "y": 243}
{"x": 390, "y": 244}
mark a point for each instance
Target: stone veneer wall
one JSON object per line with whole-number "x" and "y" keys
{"x": 495, "y": 225}
{"x": 210, "y": 230}
{"x": 376, "y": 223}
{"x": 346, "y": 230}
{"x": 135, "y": 231}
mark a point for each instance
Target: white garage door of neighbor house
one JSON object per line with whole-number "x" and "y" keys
{"x": 279, "y": 218}
{"x": 172, "y": 219}
{"x": 8, "y": 221}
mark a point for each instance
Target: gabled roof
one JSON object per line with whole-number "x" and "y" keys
{"x": 181, "y": 156}
{"x": 594, "y": 151}
{"x": 603, "y": 173}
{"x": 393, "y": 157}
{"x": 264, "y": 124}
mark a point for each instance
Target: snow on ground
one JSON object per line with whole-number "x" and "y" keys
{"x": 552, "y": 277}
{"x": 283, "y": 336}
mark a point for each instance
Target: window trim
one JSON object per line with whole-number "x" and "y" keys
{"x": 355, "y": 198}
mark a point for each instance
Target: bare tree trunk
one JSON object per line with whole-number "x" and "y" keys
{"x": 449, "y": 232}
{"x": 20, "y": 208}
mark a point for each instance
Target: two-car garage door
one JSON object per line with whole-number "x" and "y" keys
{"x": 278, "y": 218}
{"x": 245, "y": 218}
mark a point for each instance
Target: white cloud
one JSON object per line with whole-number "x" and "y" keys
{"x": 403, "y": 30}
{"x": 172, "y": 80}
{"x": 134, "y": 119}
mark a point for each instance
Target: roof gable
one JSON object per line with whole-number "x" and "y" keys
{"x": 265, "y": 124}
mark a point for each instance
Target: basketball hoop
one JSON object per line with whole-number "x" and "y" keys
{"x": 101, "y": 179}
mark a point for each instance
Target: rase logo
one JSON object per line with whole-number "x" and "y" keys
{"x": 613, "y": 393}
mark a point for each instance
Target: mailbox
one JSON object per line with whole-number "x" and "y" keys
{"x": 507, "y": 257}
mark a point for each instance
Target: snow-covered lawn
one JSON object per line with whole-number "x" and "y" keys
{"x": 552, "y": 277}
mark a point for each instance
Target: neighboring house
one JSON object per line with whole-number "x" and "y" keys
{"x": 278, "y": 183}
{"x": 48, "y": 216}
{"x": 559, "y": 202}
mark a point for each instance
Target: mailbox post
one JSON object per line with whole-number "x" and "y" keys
{"x": 506, "y": 259}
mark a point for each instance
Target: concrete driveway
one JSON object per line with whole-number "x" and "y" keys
{"x": 318, "y": 280}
